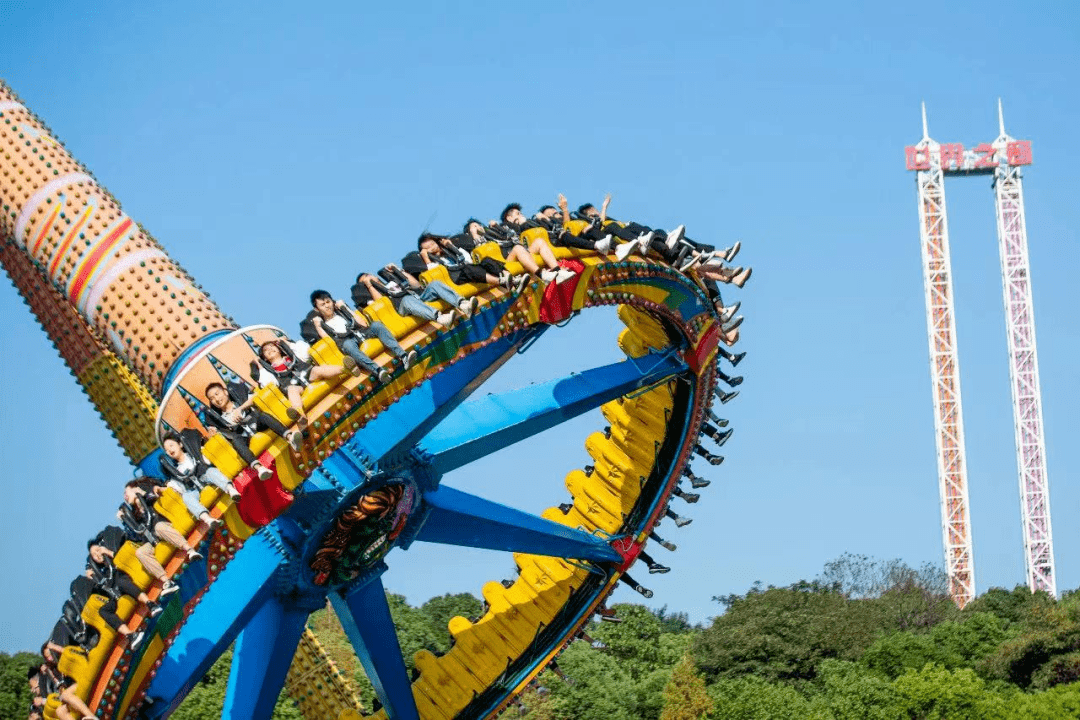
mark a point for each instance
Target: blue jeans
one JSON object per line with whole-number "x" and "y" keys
{"x": 351, "y": 347}
{"x": 416, "y": 305}
{"x": 212, "y": 476}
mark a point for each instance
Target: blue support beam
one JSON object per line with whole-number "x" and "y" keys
{"x": 234, "y": 598}
{"x": 458, "y": 518}
{"x": 365, "y": 616}
{"x": 488, "y": 424}
{"x": 400, "y": 426}
{"x": 261, "y": 659}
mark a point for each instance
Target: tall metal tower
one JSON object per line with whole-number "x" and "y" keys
{"x": 1002, "y": 159}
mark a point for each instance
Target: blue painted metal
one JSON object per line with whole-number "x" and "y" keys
{"x": 485, "y": 425}
{"x": 458, "y": 518}
{"x": 401, "y": 425}
{"x": 151, "y": 464}
{"x": 365, "y": 616}
{"x": 261, "y": 658}
{"x": 239, "y": 591}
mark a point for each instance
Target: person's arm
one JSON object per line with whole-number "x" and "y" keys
{"x": 370, "y": 283}
{"x": 317, "y": 321}
{"x": 603, "y": 208}
{"x": 565, "y": 207}
{"x": 412, "y": 280}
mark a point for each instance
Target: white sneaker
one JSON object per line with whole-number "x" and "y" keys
{"x": 603, "y": 246}
{"x": 295, "y": 440}
{"x": 732, "y": 251}
{"x": 168, "y": 589}
{"x": 645, "y": 238}
{"x": 466, "y": 308}
{"x": 384, "y": 375}
{"x": 547, "y": 275}
{"x": 563, "y": 275}
{"x": 675, "y": 236}
{"x": 505, "y": 279}
{"x": 263, "y": 471}
{"x": 409, "y": 359}
{"x": 624, "y": 250}
{"x": 520, "y": 282}
{"x": 444, "y": 319}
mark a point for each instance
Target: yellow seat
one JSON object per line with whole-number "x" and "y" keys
{"x": 172, "y": 508}
{"x": 125, "y": 560}
{"x": 482, "y": 672}
{"x": 326, "y": 352}
{"x": 488, "y": 250}
{"x": 484, "y": 647}
{"x": 453, "y": 682}
{"x": 319, "y": 389}
{"x": 224, "y": 457}
{"x": 565, "y": 253}
{"x": 513, "y": 606}
{"x": 383, "y": 311}
{"x": 644, "y": 326}
{"x": 272, "y": 401}
{"x": 576, "y": 227}
{"x": 74, "y": 663}
{"x": 442, "y": 273}
{"x": 547, "y": 593}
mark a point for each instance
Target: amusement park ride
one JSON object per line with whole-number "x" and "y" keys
{"x": 144, "y": 341}
{"x": 1002, "y": 159}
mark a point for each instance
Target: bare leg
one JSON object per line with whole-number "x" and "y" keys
{"x": 322, "y": 372}
{"x": 296, "y": 398}
{"x": 69, "y": 698}
{"x": 522, "y": 256}
{"x": 542, "y": 249}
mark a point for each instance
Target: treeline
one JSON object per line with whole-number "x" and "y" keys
{"x": 865, "y": 640}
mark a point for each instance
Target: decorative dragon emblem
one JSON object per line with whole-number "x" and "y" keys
{"x": 363, "y": 534}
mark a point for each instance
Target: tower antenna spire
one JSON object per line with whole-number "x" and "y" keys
{"x": 1001, "y": 119}
{"x": 925, "y": 132}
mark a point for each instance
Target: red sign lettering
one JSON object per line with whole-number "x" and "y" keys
{"x": 952, "y": 154}
{"x": 1018, "y": 152}
{"x": 986, "y": 159}
{"x": 917, "y": 158}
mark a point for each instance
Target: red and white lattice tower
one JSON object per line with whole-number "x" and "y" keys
{"x": 932, "y": 162}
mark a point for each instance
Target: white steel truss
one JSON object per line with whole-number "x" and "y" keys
{"x": 1024, "y": 371}
{"x": 945, "y": 375}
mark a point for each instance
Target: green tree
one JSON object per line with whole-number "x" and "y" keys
{"x": 598, "y": 688}
{"x": 783, "y": 633}
{"x": 685, "y": 697}
{"x": 14, "y": 690}
{"x": 935, "y": 693}
{"x": 754, "y": 698}
{"x": 1042, "y": 652}
{"x": 439, "y": 611}
{"x": 846, "y": 691}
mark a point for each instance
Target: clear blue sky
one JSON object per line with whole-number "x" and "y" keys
{"x": 278, "y": 147}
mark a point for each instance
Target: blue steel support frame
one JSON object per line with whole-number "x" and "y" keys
{"x": 458, "y": 518}
{"x": 488, "y": 424}
{"x": 262, "y": 655}
{"x": 365, "y": 616}
{"x": 237, "y": 594}
{"x": 399, "y": 427}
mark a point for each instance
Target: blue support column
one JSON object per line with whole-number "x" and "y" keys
{"x": 365, "y": 616}
{"x": 238, "y": 593}
{"x": 487, "y": 424}
{"x": 261, "y": 659}
{"x": 400, "y": 426}
{"x": 458, "y": 518}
